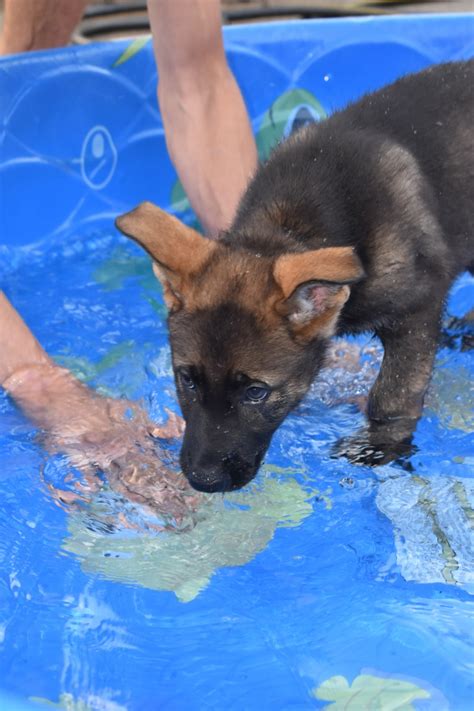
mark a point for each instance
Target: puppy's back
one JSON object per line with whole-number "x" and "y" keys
{"x": 331, "y": 182}
{"x": 430, "y": 114}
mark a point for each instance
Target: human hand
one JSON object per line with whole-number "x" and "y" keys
{"x": 100, "y": 434}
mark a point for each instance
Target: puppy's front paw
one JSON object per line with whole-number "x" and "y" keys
{"x": 371, "y": 448}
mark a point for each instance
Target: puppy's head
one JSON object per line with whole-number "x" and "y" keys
{"x": 248, "y": 335}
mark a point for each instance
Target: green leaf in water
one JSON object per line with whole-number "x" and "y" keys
{"x": 158, "y": 307}
{"x": 275, "y": 469}
{"x": 86, "y": 370}
{"x": 451, "y": 398}
{"x": 67, "y": 702}
{"x": 126, "y": 381}
{"x": 121, "y": 265}
{"x": 115, "y": 355}
{"x": 231, "y": 532}
{"x": 82, "y": 368}
{"x": 369, "y": 692}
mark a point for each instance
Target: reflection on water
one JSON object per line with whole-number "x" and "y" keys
{"x": 320, "y": 583}
{"x": 433, "y": 522}
{"x": 369, "y": 692}
{"x": 451, "y": 396}
{"x": 231, "y": 531}
{"x": 67, "y": 702}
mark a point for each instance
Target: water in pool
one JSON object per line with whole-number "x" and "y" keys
{"x": 320, "y": 585}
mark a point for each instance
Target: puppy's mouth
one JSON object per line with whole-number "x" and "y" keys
{"x": 210, "y": 487}
{"x": 235, "y": 474}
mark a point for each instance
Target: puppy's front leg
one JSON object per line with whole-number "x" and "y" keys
{"x": 409, "y": 351}
{"x": 396, "y": 399}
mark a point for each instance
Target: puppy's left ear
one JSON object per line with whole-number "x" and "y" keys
{"x": 315, "y": 286}
{"x": 178, "y": 252}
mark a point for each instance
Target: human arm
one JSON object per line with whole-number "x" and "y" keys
{"x": 38, "y": 24}
{"x": 208, "y": 131}
{"x": 18, "y": 347}
{"x": 96, "y": 433}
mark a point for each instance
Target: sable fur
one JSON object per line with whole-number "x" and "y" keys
{"x": 358, "y": 223}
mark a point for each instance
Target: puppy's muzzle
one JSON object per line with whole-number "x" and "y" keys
{"x": 209, "y": 481}
{"x": 228, "y": 473}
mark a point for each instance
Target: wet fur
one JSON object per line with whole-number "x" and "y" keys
{"x": 390, "y": 179}
{"x": 392, "y": 176}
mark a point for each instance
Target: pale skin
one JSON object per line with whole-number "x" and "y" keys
{"x": 211, "y": 144}
{"x": 98, "y": 434}
{"x": 30, "y": 25}
{"x": 207, "y": 127}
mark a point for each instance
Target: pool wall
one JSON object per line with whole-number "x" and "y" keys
{"x": 81, "y": 137}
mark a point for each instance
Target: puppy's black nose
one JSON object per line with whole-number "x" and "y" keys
{"x": 209, "y": 481}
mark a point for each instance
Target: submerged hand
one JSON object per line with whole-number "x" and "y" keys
{"x": 103, "y": 434}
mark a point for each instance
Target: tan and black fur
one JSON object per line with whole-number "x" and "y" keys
{"x": 360, "y": 223}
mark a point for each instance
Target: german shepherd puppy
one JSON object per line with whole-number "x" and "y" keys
{"x": 358, "y": 223}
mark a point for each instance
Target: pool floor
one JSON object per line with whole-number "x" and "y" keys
{"x": 321, "y": 585}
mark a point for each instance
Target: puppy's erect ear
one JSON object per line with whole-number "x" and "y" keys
{"x": 315, "y": 287}
{"x": 178, "y": 252}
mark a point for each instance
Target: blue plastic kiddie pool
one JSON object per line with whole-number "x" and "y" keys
{"x": 321, "y": 585}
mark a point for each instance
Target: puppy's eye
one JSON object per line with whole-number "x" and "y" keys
{"x": 187, "y": 380}
{"x": 256, "y": 393}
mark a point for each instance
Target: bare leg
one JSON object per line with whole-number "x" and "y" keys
{"x": 39, "y": 24}
{"x": 208, "y": 131}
